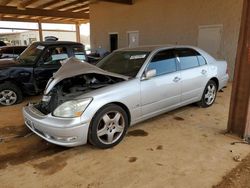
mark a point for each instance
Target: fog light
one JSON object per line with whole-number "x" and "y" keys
{"x": 69, "y": 139}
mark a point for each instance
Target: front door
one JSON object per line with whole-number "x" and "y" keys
{"x": 49, "y": 63}
{"x": 162, "y": 92}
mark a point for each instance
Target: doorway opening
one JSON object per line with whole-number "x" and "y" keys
{"x": 113, "y": 39}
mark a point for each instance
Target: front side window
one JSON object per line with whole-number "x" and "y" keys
{"x": 163, "y": 62}
{"x": 54, "y": 55}
{"x": 188, "y": 58}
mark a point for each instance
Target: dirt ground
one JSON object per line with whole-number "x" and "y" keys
{"x": 238, "y": 177}
{"x": 183, "y": 148}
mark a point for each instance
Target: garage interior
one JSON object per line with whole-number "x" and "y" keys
{"x": 203, "y": 147}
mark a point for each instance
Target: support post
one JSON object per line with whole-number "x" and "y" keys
{"x": 239, "y": 115}
{"x": 40, "y": 30}
{"x": 78, "y": 35}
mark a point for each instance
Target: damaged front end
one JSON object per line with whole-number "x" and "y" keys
{"x": 70, "y": 88}
{"x": 72, "y": 80}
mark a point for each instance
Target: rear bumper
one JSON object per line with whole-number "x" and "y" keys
{"x": 67, "y": 132}
{"x": 224, "y": 81}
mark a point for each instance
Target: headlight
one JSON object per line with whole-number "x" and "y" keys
{"x": 72, "y": 109}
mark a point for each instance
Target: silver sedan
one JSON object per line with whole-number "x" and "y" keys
{"x": 84, "y": 103}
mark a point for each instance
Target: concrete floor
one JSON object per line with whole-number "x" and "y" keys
{"x": 183, "y": 148}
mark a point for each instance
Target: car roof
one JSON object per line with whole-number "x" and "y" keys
{"x": 49, "y": 43}
{"x": 8, "y": 47}
{"x": 148, "y": 48}
{"x": 151, "y": 48}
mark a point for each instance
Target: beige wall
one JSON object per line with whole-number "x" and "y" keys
{"x": 167, "y": 22}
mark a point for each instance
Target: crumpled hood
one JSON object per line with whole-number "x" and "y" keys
{"x": 73, "y": 67}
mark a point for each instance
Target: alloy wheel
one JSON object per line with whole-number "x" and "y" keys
{"x": 8, "y": 97}
{"x": 111, "y": 127}
{"x": 210, "y": 94}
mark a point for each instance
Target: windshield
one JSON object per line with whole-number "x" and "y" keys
{"x": 126, "y": 63}
{"x": 30, "y": 55}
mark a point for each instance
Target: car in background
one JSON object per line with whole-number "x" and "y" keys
{"x": 29, "y": 73}
{"x": 95, "y": 55}
{"x": 84, "y": 103}
{"x": 11, "y": 51}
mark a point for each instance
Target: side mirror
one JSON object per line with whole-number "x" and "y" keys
{"x": 149, "y": 74}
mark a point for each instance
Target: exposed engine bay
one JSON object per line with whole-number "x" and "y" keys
{"x": 73, "y": 87}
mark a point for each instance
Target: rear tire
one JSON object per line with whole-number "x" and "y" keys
{"x": 108, "y": 126}
{"x": 209, "y": 95}
{"x": 10, "y": 94}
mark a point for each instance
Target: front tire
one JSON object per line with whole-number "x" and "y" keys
{"x": 10, "y": 94}
{"x": 209, "y": 95}
{"x": 108, "y": 126}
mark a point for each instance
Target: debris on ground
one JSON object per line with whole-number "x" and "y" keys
{"x": 238, "y": 177}
{"x": 242, "y": 142}
{"x": 237, "y": 158}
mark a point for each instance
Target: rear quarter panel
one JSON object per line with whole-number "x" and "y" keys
{"x": 216, "y": 69}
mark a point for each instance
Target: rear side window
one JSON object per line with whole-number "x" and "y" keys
{"x": 202, "y": 60}
{"x": 19, "y": 50}
{"x": 188, "y": 58}
{"x": 163, "y": 62}
{"x": 54, "y": 55}
{"x": 79, "y": 53}
{"x": 8, "y": 50}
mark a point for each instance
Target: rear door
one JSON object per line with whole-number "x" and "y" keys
{"x": 49, "y": 62}
{"x": 162, "y": 92}
{"x": 193, "y": 74}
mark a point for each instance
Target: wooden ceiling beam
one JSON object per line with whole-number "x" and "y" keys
{"x": 24, "y": 4}
{"x": 78, "y": 8}
{"x": 51, "y": 3}
{"x": 65, "y": 21}
{"x": 5, "y": 2}
{"x": 40, "y": 12}
{"x": 68, "y": 5}
{"x": 128, "y": 2}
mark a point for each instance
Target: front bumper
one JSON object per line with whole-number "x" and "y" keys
{"x": 67, "y": 132}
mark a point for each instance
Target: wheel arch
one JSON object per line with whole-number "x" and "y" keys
{"x": 124, "y": 107}
{"x": 91, "y": 138}
{"x": 216, "y": 80}
{"x": 120, "y": 104}
{"x": 11, "y": 82}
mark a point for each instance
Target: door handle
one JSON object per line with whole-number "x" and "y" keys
{"x": 177, "y": 79}
{"x": 24, "y": 73}
{"x": 203, "y": 72}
